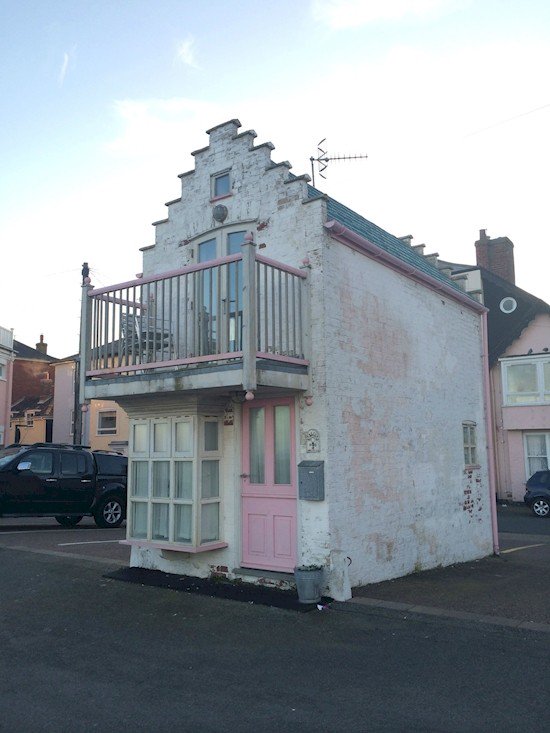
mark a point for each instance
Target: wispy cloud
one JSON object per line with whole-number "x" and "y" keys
{"x": 338, "y": 14}
{"x": 186, "y": 52}
{"x": 68, "y": 57}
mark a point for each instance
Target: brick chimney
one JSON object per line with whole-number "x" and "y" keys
{"x": 41, "y": 346}
{"x": 496, "y": 255}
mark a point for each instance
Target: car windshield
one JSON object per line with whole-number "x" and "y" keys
{"x": 7, "y": 454}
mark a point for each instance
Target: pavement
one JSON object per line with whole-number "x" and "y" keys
{"x": 510, "y": 589}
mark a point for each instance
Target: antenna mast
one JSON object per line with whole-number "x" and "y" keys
{"x": 323, "y": 160}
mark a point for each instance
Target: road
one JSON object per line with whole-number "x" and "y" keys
{"x": 82, "y": 652}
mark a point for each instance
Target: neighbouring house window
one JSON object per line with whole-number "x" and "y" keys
{"x": 221, "y": 184}
{"x": 1, "y": 435}
{"x": 2, "y": 371}
{"x": 469, "y": 438}
{"x": 106, "y": 422}
{"x": 175, "y": 480}
{"x": 29, "y": 419}
{"x": 537, "y": 452}
{"x": 526, "y": 381}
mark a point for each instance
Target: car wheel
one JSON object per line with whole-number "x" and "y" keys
{"x": 68, "y": 521}
{"x": 541, "y": 507}
{"x": 109, "y": 512}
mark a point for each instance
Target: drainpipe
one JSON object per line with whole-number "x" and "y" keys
{"x": 85, "y": 354}
{"x": 489, "y": 432}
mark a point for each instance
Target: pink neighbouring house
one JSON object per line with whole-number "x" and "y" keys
{"x": 295, "y": 387}
{"x": 6, "y": 379}
{"x": 519, "y": 357}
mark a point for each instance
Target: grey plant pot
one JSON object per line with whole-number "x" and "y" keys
{"x": 308, "y": 584}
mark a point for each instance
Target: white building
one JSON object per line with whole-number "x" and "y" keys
{"x": 302, "y": 386}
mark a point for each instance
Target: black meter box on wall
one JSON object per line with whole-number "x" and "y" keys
{"x": 311, "y": 480}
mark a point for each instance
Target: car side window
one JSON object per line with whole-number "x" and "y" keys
{"x": 41, "y": 462}
{"x": 73, "y": 464}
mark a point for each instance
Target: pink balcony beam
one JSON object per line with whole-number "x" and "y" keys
{"x": 122, "y": 301}
{"x": 166, "y": 275}
{"x": 281, "y": 266}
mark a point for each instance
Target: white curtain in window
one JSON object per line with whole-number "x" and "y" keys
{"x": 160, "y": 521}
{"x": 210, "y": 482}
{"x": 139, "y": 520}
{"x": 161, "y": 437}
{"x": 140, "y": 478}
{"x": 184, "y": 479}
{"x": 161, "y": 479}
{"x": 210, "y": 522}
{"x": 183, "y": 523}
{"x": 140, "y": 438}
{"x": 537, "y": 453}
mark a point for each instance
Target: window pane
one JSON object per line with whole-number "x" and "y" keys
{"x": 139, "y": 520}
{"x": 256, "y": 418}
{"x": 184, "y": 479}
{"x": 183, "y": 523}
{"x": 161, "y": 437}
{"x": 546, "y": 369}
{"x": 73, "y": 464}
{"x": 522, "y": 378}
{"x": 161, "y": 478}
{"x": 106, "y": 422}
{"x": 210, "y": 436}
{"x": 210, "y": 483}
{"x": 184, "y": 437}
{"x": 140, "y": 478}
{"x": 40, "y": 462}
{"x": 282, "y": 444}
{"x": 536, "y": 445}
{"x": 160, "y": 521}
{"x": 234, "y": 242}
{"x": 207, "y": 250}
{"x": 221, "y": 185}
{"x": 210, "y": 521}
{"x": 140, "y": 438}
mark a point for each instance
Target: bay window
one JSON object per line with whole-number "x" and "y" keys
{"x": 526, "y": 381}
{"x": 175, "y": 482}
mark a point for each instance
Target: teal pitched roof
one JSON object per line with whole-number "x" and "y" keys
{"x": 375, "y": 234}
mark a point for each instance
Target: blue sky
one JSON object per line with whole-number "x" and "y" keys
{"x": 103, "y": 101}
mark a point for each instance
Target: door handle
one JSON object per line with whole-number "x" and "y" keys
{"x": 244, "y": 475}
{"x": 86, "y": 481}
{"x": 51, "y": 480}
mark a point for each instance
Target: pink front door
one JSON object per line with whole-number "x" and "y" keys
{"x": 269, "y": 485}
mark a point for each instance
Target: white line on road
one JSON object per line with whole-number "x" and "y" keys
{"x": 90, "y": 542}
{"x": 525, "y": 547}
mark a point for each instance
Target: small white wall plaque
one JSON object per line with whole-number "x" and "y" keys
{"x": 313, "y": 441}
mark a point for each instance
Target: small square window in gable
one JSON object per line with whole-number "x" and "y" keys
{"x": 221, "y": 185}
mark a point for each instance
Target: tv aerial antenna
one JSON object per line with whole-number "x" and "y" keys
{"x": 323, "y": 159}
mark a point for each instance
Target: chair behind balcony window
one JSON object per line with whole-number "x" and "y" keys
{"x": 146, "y": 338}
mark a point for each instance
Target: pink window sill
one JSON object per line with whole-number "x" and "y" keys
{"x": 176, "y": 548}
{"x": 219, "y": 198}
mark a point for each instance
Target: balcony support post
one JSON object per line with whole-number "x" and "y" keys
{"x": 85, "y": 357}
{"x": 250, "y": 335}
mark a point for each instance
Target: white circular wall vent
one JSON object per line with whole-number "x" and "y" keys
{"x": 508, "y": 305}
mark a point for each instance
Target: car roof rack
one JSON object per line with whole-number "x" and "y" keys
{"x": 58, "y": 445}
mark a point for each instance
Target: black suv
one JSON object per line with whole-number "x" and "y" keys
{"x": 537, "y": 495}
{"x": 63, "y": 481}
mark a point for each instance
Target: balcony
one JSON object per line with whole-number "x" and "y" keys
{"x": 238, "y": 323}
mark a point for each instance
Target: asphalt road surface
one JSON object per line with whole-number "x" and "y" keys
{"x": 82, "y": 652}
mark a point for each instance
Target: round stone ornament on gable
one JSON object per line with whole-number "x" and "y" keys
{"x": 219, "y": 212}
{"x": 508, "y": 305}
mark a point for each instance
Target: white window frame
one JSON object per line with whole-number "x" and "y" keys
{"x": 469, "y": 443}
{"x": 526, "y": 436}
{"x": 542, "y": 393}
{"x": 195, "y": 453}
{"x": 106, "y": 431}
{"x": 221, "y": 236}
{"x": 216, "y": 177}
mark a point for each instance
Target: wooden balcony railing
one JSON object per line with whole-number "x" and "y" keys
{"x": 243, "y": 306}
